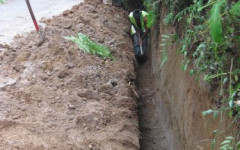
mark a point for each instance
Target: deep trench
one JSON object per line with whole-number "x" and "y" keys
{"x": 152, "y": 135}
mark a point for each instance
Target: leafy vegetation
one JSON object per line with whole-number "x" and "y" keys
{"x": 166, "y": 41}
{"x": 2, "y": 1}
{"x": 152, "y": 9}
{"x": 229, "y": 144}
{"x": 210, "y": 39}
{"x": 215, "y": 23}
{"x": 88, "y": 46}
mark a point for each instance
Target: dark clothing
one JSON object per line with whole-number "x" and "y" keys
{"x": 136, "y": 45}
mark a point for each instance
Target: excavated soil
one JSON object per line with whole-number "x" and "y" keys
{"x": 58, "y": 97}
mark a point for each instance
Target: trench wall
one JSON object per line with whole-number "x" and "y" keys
{"x": 180, "y": 98}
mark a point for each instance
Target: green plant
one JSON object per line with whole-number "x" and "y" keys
{"x": 152, "y": 9}
{"x": 192, "y": 10}
{"x": 2, "y": 1}
{"x": 166, "y": 41}
{"x": 215, "y": 23}
{"x": 88, "y": 46}
{"x": 210, "y": 39}
{"x": 235, "y": 10}
{"x": 164, "y": 45}
{"x": 227, "y": 144}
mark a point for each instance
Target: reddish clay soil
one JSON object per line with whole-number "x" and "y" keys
{"x": 58, "y": 97}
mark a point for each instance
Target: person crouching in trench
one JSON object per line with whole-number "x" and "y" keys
{"x": 139, "y": 32}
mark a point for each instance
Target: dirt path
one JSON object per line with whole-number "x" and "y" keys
{"x": 152, "y": 134}
{"x": 58, "y": 97}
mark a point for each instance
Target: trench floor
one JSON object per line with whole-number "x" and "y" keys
{"x": 152, "y": 134}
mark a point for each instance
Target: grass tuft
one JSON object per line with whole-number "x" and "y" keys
{"x": 89, "y": 46}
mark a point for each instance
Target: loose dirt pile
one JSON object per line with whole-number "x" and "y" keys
{"x": 57, "y": 97}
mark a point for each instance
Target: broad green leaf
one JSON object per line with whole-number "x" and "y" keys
{"x": 236, "y": 77}
{"x": 192, "y": 72}
{"x": 206, "y": 77}
{"x": 237, "y": 87}
{"x": 235, "y": 10}
{"x": 225, "y": 80}
{"x": 238, "y": 145}
{"x": 207, "y": 112}
{"x": 230, "y": 113}
{"x": 215, "y": 114}
{"x": 226, "y": 142}
{"x": 213, "y": 144}
{"x": 185, "y": 64}
{"x": 215, "y": 23}
{"x": 230, "y": 103}
{"x": 224, "y": 147}
{"x": 168, "y": 19}
{"x": 164, "y": 57}
{"x": 166, "y": 36}
{"x": 163, "y": 44}
{"x": 229, "y": 138}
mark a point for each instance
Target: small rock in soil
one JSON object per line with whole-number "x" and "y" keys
{"x": 12, "y": 82}
{"x": 71, "y": 106}
{"x": 63, "y": 74}
{"x": 89, "y": 94}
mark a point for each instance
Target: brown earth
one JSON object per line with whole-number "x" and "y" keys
{"x": 58, "y": 97}
{"x": 176, "y": 101}
{"x": 153, "y": 137}
{"x": 171, "y": 101}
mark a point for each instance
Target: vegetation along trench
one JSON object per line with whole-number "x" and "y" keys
{"x": 189, "y": 86}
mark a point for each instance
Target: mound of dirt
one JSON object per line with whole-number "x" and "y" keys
{"x": 58, "y": 97}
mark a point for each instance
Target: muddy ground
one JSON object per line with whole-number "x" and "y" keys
{"x": 58, "y": 97}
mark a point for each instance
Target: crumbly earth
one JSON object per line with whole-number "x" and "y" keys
{"x": 58, "y": 97}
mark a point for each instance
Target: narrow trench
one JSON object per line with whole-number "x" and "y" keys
{"x": 152, "y": 136}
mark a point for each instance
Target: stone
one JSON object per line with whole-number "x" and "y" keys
{"x": 3, "y": 86}
{"x": 75, "y": 8}
{"x": 107, "y": 88}
{"x": 70, "y": 65}
{"x": 63, "y": 74}
{"x": 12, "y": 82}
{"x": 66, "y": 12}
{"x": 71, "y": 106}
{"x": 101, "y": 39}
{"x": 90, "y": 146}
{"x": 18, "y": 67}
{"x": 89, "y": 94}
{"x": 130, "y": 75}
